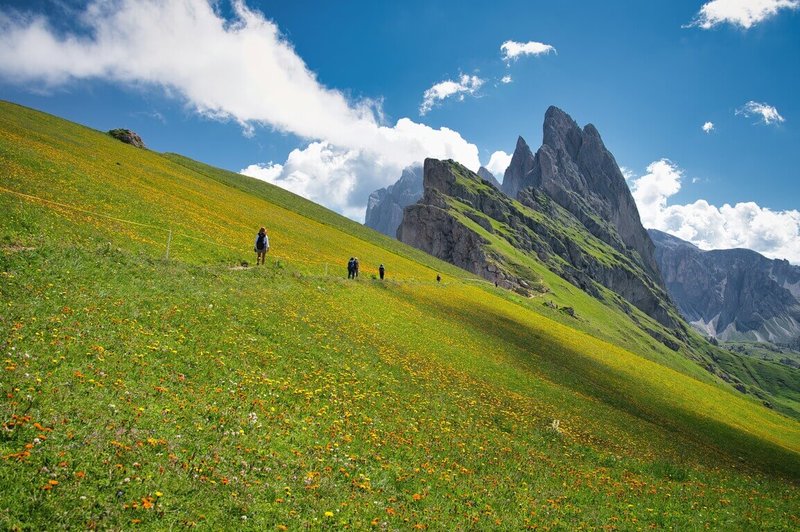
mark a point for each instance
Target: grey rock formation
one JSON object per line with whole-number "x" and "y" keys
{"x": 385, "y": 206}
{"x": 575, "y": 169}
{"x": 731, "y": 294}
{"x": 521, "y": 164}
{"x": 574, "y": 181}
{"x": 486, "y": 175}
{"x": 556, "y": 239}
{"x": 128, "y": 137}
{"x": 428, "y": 226}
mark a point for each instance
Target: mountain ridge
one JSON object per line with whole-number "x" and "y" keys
{"x": 573, "y": 170}
{"x": 732, "y": 294}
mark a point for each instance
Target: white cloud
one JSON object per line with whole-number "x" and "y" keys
{"x": 320, "y": 172}
{"x": 627, "y": 173}
{"x": 343, "y": 178}
{"x": 243, "y": 70}
{"x": 767, "y": 113}
{"x": 742, "y": 13}
{"x": 513, "y": 50}
{"x": 444, "y": 89}
{"x": 265, "y": 172}
{"x": 775, "y": 234}
{"x": 498, "y": 163}
{"x": 663, "y": 179}
{"x": 708, "y": 127}
{"x": 506, "y": 79}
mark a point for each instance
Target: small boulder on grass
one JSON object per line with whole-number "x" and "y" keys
{"x": 569, "y": 311}
{"x": 128, "y": 137}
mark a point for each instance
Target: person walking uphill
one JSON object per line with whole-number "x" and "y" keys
{"x": 261, "y": 246}
{"x": 351, "y": 268}
{"x": 355, "y": 267}
{"x": 381, "y": 271}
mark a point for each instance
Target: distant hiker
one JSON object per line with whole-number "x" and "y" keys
{"x": 261, "y": 246}
{"x": 438, "y": 278}
{"x": 381, "y": 271}
{"x": 355, "y": 267}
{"x": 351, "y": 268}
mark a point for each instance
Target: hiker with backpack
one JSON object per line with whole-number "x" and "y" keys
{"x": 355, "y": 267}
{"x": 351, "y": 268}
{"x": 261, "y": 246}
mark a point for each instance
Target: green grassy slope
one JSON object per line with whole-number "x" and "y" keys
{"x": 191, "y": 392}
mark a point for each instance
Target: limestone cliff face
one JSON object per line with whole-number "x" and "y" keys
{"x": 521, "y": 164}
{"x": 434, "y": 226}
{"x": 454, "y": 196}
{"x": 732, "y": 294}
{"x": 428, "y": 226}
{"x": 385, "y": 206}
{"x": 575, "y": 169}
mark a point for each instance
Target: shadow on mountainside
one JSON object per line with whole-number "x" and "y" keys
{"x": 542, "y": 352}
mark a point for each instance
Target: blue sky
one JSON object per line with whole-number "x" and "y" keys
{"x": 324, "y": 98}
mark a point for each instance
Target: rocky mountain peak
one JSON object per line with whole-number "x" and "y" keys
{"x": 534, "y": 225}
{"x": 574, "y": 167}
{"x": 521, "y": 164}
{"x": 561, "y": 132}
{"x": 486, "y": 175}
{"x": 385, "y": 205}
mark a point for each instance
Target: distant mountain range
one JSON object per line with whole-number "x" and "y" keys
{"x": 731, "y": 294}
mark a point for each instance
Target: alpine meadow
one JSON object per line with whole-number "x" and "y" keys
{"x": 151, "y": 377}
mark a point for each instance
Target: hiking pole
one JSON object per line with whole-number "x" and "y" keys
{"x": 169, "y": 240}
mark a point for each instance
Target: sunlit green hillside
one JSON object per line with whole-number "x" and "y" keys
{"x": 193, "y": 391}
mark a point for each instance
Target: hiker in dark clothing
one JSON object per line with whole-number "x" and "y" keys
{"x": 381, "y": 271}
{"x": 261, "y": 246}
{"x": 438, "y": 278}
{"x": 355, "y": 267}
{"x": 351, "y": 268}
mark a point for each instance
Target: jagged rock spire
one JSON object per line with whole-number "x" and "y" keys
{"x": 521, "y": 163}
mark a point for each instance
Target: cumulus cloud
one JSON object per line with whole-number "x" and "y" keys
{"x": 766, "y": 113}
{"x": 498, "y": 163}
{"x": 775, "y": 234}
{"x": 320, "y": 172}
{"x": 466, "y": 84}
{"x": 742, "y": 13}
{"x": 506, "y": 79}
{"x": 513, "y": 50}
{"x": 708, "y": 127}
{"x": 240, "y": 69}
{"x": 343, "y": 178}
{"x": 662, "y": 180}
{"x": 264, "y": 171}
